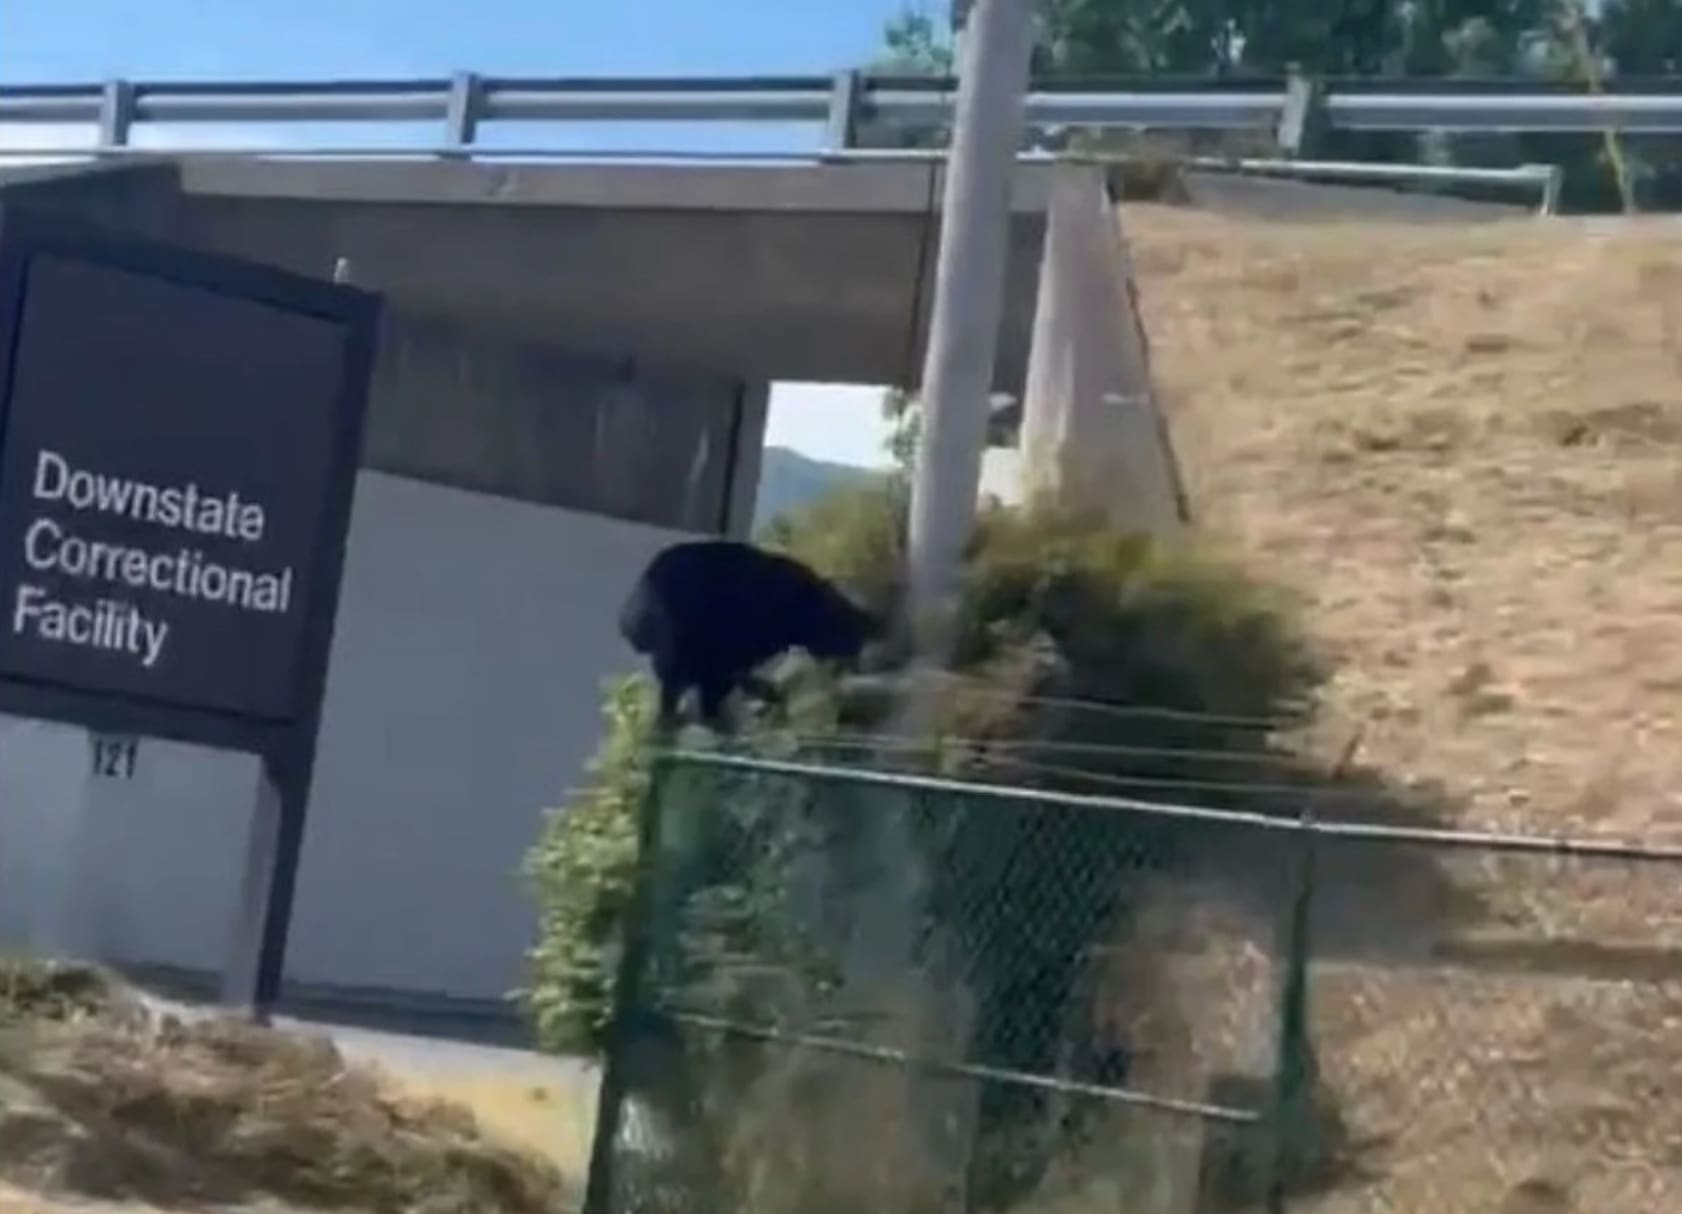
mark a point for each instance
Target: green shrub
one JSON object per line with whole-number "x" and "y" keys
{"x": 1056, "y": 609}
{"x": 1059, "y": 613}
{"x": 1131, "y": 622}
{"x": 855, "y": 536}
{"x": 582, "y": 871}
{"x": 44, "y": 990}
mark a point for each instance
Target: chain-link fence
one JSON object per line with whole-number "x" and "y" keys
{"x": 1497, "y": 1024}
{"x": 849, "y": 990}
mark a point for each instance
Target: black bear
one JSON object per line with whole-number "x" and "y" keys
{"x": 708, "y": 613}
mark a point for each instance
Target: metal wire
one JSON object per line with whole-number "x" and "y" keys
{"x": 1049, "y": 745}
{"x": 1008, "y": 763}
{"x": 980, "y": 687}
{"x": 1556, "y": 845}
{"x": 992, "y": 1074}
{"x": 1111, "y": 779}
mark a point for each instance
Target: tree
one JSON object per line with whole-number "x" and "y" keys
{"x": 1544, "y": 39}
{"x": 1642, "y": 37}
{"x": 1255, "y": 37}
{"x": 916, "y": 43}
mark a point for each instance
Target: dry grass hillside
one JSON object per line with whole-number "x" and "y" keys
{"x": 1462, "y": 448}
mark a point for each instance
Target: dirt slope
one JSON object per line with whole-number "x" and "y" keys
{"x": 1462, "y": 448}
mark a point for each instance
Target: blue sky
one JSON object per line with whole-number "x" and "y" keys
{"x": 86, "y": 40}
{"x": 81, "y": 39}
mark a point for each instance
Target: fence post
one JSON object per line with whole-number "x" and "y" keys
{"x": 1552, "y": 184}
{"x": 627, "y": 996}
{"x": 1295, "y": 1077}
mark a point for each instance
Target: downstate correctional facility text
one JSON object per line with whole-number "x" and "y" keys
{"x": 105, "y": 616}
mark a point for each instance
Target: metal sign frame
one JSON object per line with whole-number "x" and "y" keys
{"x": 285, "y": 745}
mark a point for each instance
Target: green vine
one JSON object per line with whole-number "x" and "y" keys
{"x": 583, "y": 872}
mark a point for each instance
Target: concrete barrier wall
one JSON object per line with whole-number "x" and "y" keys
{"x": 1093, "y": 435}
{"x": 480, "y": 381}
{"x": 464, "y": 697}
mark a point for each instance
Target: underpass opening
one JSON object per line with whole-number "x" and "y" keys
{"x": 820, "y": 437}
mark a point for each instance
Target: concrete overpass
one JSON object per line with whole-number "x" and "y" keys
{"x": 574, "y": 372}
{"x": 548, "y": 321}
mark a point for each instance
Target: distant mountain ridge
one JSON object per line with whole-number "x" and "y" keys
{"x": 789, "y": 480}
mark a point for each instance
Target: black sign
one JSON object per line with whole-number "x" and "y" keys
{"x": 178, "y": 445}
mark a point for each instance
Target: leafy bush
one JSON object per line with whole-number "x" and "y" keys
{"x": 1131, "y": 622}
{"x": 1086, "y": 659}
{"x": 1056, "y": 609}
{"x": 37, "y": 990}
{"x": 583, "y": 871}
{"x": 855, "y": 536}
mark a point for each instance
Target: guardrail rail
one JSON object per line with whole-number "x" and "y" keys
{"x": 843, "y": 108}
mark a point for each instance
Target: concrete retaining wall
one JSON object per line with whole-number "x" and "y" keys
{"x": 1093, "y": 436}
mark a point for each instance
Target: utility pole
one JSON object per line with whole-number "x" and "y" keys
{"x": 957, "y": 384}
{"x": 958, "y": 22}
{"x": 968, "y": 301}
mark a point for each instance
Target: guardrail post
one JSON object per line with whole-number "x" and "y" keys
{"x": 461, "y": 115}
{"x": 116, "y": 113}
{"x": 1552, "y": 184}
{"x": 1301, "y": 120}
{"x": 841, "y": 129}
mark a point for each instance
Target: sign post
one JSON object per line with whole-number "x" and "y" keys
{"x": 179, "y": 439}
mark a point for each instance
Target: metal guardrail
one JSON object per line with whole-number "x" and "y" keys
{"x": 845, "y": 105}
{"x": 1548, "y": 180}
{"x": 1537, "y": 113}
{"x": 466, "y": 101}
